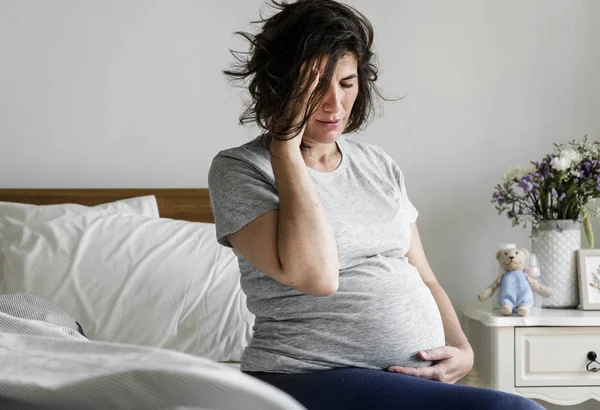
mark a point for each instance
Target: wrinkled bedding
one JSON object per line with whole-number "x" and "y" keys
{"x": 45, "y": 362}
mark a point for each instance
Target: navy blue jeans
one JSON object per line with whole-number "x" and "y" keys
{"x": 363, "y": 389}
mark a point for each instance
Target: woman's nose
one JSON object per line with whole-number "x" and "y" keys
{"x": 332, "y": 100}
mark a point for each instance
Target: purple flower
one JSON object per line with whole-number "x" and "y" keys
{"x": 554, "y": 194}
{"x": 526, "y": 185}
{"x": 537, "y": 194}
{"x": 562, "y": 196}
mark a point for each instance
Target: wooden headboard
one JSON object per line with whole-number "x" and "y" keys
{"x": 189, "y": 204}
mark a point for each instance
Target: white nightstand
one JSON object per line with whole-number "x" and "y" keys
{"x": 541, "y": 356}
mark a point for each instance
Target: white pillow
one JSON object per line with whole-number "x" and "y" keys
{"x": 157, "y": 282}
{"x": 142, "y": 205}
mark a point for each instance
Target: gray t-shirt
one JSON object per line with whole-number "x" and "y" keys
{"x": 382, "y": 314}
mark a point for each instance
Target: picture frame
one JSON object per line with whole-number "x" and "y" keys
{"x": 588, "y": 271}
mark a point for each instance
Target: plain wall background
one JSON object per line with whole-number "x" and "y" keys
{"x": 130, "y": 94}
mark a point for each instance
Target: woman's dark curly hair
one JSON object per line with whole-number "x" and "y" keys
{"x": 304, "y": 32}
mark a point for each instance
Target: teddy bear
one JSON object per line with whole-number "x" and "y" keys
{"x": 516, "y": 287}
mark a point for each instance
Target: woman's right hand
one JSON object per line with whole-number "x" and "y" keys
{"x": 296, "y": 108}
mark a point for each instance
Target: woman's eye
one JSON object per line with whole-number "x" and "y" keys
{"x": 347, "y": 85}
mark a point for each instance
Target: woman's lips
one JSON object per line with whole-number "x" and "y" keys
{"x": 330, "y": 124}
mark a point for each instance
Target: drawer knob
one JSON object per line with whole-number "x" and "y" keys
{"x": 592, "y": 356}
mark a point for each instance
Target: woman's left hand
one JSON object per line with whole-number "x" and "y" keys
{"x": 450, "y": 364}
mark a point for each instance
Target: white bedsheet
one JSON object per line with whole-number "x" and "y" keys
{"x": 45, "y": 362}
{"x": 37, "y": 371}
{"x": 234, "y": 365}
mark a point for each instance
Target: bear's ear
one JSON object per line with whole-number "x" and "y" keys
{"x": 498, "y": 254}
{"x": 525, "y": 252}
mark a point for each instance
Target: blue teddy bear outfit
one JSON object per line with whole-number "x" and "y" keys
{"x": 515, "y": 290}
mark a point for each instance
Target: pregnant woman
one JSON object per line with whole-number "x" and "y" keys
{"x": 349, "y": 314}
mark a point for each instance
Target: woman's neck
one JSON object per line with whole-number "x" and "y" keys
{"x": 322, "y": 157}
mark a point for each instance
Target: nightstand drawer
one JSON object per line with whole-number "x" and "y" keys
{"x": 555, "y": 356}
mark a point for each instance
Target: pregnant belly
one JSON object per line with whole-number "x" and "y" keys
{"x": 396, "y": 330}
{"x": 372, "y": 324}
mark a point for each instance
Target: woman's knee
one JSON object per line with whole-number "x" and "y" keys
{"x": 515, "y": 402}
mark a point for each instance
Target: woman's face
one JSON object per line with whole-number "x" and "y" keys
{"x": 329, "y": 120}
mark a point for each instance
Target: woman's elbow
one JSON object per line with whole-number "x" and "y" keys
{"x": 324, "y": 288}
{"x": 320, "y": 284}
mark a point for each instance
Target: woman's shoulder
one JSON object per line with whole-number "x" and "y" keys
{"x": 250, "y": 158}
{"x": 250, "y": 153}
{"x": 249, "y": 150}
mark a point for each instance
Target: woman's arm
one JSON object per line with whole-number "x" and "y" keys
{"x": 454, "y": 360}
{"x": 294, "y": 245}
{"x": 416, "y": 256}
{"x": 305, "y": 240}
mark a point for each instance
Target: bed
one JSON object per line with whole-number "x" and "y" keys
{"x": 189, "y": 204}
{"x": 140, "y": 273}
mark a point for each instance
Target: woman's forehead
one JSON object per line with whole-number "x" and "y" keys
{"x": 345, "y": 63}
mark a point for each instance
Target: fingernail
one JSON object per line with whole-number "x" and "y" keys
{"x": 424, "y": 353}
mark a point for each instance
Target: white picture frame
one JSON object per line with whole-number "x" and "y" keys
{"x": 588, "y": 271}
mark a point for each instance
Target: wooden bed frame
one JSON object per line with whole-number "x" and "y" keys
{"x": 189, "y": 204}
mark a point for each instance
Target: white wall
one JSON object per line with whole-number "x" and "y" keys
{"x": 489, "y": 84}
{"x": 130, "y": 94}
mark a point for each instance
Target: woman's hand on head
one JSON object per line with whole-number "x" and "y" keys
{"x": 450, "y": 364}
{"x": 297, "y": 107}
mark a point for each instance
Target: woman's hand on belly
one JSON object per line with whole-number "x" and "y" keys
{"x": 450, "y": 364}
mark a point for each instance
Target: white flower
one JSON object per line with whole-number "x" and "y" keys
{"x": 560, "y": 163}
{"x": 574, "y": 173}
{"x": 518, "y": 172}
{"x": 509, "y": 174}
{"x": 529, "y": 169}
{"x": 571, "y": 155}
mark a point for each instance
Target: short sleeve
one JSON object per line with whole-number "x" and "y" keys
{"x": 411, "y": 212}
{"x": 239, "y": 193}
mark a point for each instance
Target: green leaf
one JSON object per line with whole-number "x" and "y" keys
{"x": 571, "y": 189}
{"x": 587, "y": 227}
{"x": 544, "y": 203}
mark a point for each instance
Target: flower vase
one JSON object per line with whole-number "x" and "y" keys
{"x": 555, "y": 243}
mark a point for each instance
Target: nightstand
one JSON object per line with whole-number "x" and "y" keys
{"x": 542, "y": 356}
